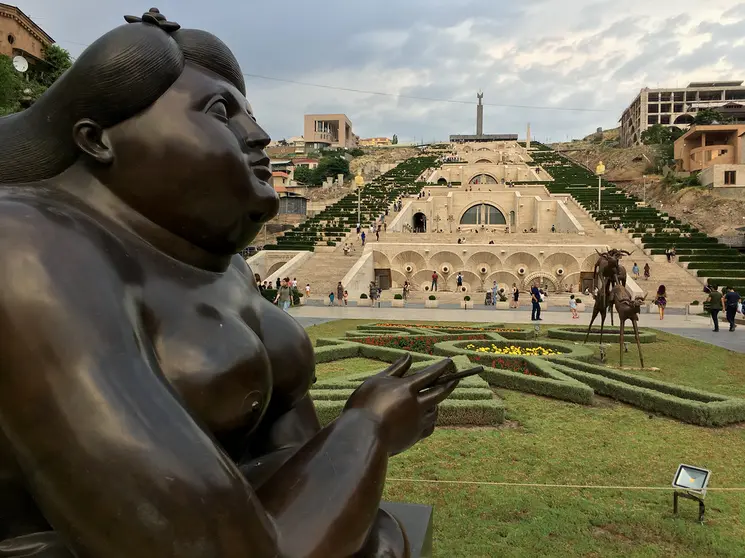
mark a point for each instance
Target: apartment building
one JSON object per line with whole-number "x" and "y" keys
{"x": 717, "y": 151}
{"x": 328, "y": 130}
{"x": 678, "y": 106}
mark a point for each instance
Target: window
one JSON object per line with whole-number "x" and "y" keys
{"x": 665, "y": 108}
{"x": 653, "y": 108}
{"x": 483, "y": 214}
{"x": 730, "y": 178}
{"x": 652, "y": 119}
{"x": 11, "y": 39}
{"x": 665, "y": 119}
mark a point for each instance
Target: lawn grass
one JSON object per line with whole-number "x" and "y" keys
{"x": 555, "y": 442}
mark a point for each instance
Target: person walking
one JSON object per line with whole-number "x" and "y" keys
{"x": 731, "y": 301}
{"x": 377, "y": 233}
{"x": 573, "y": 307}
{"x": 279, "y": 283}
{"x": 635, "y": 270}
{"x": 434, "y": 281}
{"x": 340, "y": 294}
{"x": 535, "y": 297}
{"x": 362, "y": 237}
{"x": 515, "y": 296}
{"x": 715, "y": 306}
{"x": 661, "y": 300}
{"x": 307, "y": 290}
{"x": 647, "y": 272}
{"x": 346, "y": 297}
{"x": 284, "y": 296}
{"x": 494, "y": 289}
{"x": 459, "y": 280}
{"x": 405, "y": 290}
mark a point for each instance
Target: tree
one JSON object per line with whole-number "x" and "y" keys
{"x": 707, "y": 117}
{"x": 18, "y": 90}
{"x": 58, "y": 62}
{"x": 304, "y": 175}
{"x": 394, "y": 141}
{"x": 331, "y": 165}
{"x": 656, "y": 135}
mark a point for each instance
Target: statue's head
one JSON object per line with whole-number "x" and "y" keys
{"x": 158, "y": 115}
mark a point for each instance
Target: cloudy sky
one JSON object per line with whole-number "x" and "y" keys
{"x": 565, "y": 66}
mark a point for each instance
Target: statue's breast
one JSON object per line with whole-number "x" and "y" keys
{"x": 206, "y": 350}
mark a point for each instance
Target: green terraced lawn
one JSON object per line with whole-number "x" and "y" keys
{"x": 554, "y": 442}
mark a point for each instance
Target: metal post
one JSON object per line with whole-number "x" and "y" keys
{"x": 600, "y": 181}
{"x": 359, "y": 201}
{"x": 644, "y": 183}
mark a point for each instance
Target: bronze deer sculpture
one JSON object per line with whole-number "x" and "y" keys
{"x": 628, "y": 308}
{"x": 601, "y": 307}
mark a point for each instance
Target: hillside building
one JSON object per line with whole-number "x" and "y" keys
{"x": 678, "y": 107}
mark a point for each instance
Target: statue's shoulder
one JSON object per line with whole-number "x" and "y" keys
{"x": 52, "y": 234}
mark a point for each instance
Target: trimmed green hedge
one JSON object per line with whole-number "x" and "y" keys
{"x": 568, "y": 377}
{"x": 610, "y": 334}
{"x": 686, "y": 404}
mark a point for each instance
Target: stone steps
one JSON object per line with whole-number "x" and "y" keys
{"x": 324, "y": 271}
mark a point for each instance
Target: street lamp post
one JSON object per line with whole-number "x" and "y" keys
{"x": 359, "y": 181}
{"x": 600, "y": 171}
{"x": 644, "y": 186}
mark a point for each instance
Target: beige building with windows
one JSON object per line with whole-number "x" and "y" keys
{"x": 717, "y": 151}
{"x": 20, "y": 36}
{"x": 328, "y": 130}
{"x": 375, "y": 142}
{"x": 678, "y": 107}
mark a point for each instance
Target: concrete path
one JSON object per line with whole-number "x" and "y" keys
{"x": 692, "y": 327}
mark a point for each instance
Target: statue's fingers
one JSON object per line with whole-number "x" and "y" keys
{"x": 427, "y": 377}
{"x": 437, "y": 394}
{"x": 398, "y": 368}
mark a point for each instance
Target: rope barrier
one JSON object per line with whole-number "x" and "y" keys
{"x": 572, "y": 486}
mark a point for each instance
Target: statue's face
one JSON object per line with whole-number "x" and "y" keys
{"x": 194, "y": 163}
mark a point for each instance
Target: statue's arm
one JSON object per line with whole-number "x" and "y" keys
{"x": 114, "y": 460}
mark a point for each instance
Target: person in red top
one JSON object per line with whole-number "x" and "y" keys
{"x": 434, "y": 280}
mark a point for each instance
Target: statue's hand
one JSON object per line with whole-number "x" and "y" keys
{"x": 406, "y": 408}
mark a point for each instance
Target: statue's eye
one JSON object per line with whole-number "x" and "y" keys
{"x": 219, "y": 109}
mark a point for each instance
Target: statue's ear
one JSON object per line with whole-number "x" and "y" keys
{"x": 92, "y": 140}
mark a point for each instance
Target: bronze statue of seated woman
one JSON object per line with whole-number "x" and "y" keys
{"x": 152, "y": 403}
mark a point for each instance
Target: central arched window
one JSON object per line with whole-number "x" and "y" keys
{"x": 483, "y": 214}
{"x": 483, "y": 162}
{"x": 483, "y": 179}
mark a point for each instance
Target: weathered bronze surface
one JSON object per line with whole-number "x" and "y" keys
{"x": 152, "y": 402}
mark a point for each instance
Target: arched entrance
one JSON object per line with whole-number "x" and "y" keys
{"x": 419, "y": 222}
{"x": 442, "y": 181}
{"x": 483, "y": 214}
{"x": 483, "y": 179}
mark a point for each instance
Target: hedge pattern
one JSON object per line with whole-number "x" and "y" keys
{"x": 570, "y": 376}
{"x": 610, "y": 334}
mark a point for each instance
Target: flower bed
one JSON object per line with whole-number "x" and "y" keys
{"x": 496, "y": 329}
{"x": 515, "y": 350}
{"x": 417, "y": 343}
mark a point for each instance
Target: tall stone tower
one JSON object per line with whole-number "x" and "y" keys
{"x": 480, "y": 115}
{"x": 527, "y": 142}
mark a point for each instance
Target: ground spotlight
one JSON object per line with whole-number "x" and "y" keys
{"x": 692, "y": 482}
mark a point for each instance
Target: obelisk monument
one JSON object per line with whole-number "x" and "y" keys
{"x": 479, "y": 115}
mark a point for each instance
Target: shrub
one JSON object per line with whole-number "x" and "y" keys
{"x": 467, "y": 298}
{"x": 578, "y": 300}
{"x": 432, "y": 297}
{"x": 398, "y": 297}
{"x": 363, "y": 295}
